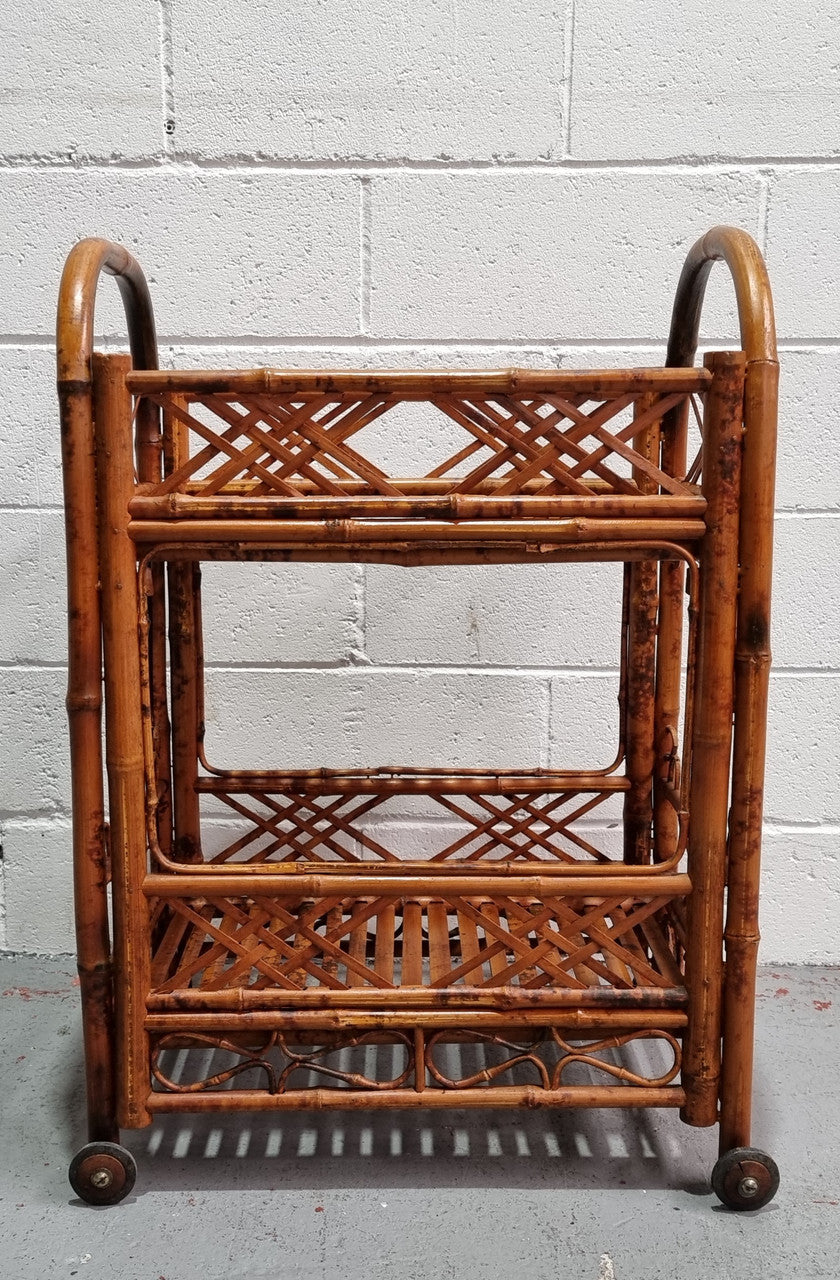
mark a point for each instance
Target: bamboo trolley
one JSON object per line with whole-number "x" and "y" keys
{"x": 310, "y": 964}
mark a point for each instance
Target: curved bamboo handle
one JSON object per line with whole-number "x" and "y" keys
{"x": 77, "y": 296}
{"x": 752, "y": 291}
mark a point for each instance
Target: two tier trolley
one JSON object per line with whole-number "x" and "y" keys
{"x": 307, "y": 960}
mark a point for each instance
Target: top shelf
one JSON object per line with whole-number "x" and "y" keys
{"x": 505, "y": 434}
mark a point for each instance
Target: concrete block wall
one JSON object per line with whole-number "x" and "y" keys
{"x": 441, "y": 183}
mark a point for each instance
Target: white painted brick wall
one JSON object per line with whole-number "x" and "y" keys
{"x": 438, "y": 184}
{"x": 338, "y": 79}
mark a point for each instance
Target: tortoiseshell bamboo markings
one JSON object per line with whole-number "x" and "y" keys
{"x": 524, "y": 957}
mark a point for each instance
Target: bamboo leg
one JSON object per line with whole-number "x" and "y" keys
{"x": 74, "y": 334}
{"x": 84, "y": 709}
{"x": 149, "y": 458}
{"x": 712, "y": 737}
{"x": 752, "y": 674}
{"x": 159, "y": 707}
{"x": 184, "y": 646}
{"x": 669, "y": 650}
{"x": 641, "y": 659}
{"x": 123, "y": 735}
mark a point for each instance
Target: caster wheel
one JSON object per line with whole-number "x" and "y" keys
{"x": 745, "y": 1178}
{"x": 102, "y": 1173}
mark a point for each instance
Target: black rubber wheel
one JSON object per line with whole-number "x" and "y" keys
{"x": 102, "y": 1173}
{"x": 745, "y": 1178}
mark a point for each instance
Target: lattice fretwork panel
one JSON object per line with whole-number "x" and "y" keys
{"x": 261, "y": 826}
{"x": 383, "y": 943}
{"x": 315, "y": 443}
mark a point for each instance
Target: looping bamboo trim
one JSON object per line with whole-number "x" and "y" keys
{"x": 419, "y": 1059}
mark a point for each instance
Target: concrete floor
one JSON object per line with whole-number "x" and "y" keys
{"x": 479, "y": 1196}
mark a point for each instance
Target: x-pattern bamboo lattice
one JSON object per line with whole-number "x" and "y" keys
{"x": 385, "y": 943}
{"x": 521, "y": 826}
{"x": 549, "y": 443}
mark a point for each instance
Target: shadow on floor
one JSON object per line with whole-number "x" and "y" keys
{"x": 584, "y": 1149}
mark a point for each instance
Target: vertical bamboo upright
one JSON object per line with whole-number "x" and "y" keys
{"x": 305, "y": 958}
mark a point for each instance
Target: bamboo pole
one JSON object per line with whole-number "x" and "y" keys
{"x": 647, "y": 1004}
{"x": 322, "y": 533}
{"x": 600, "y": 496}
{"x": 184, "y": 582}
{"x": 752, "y": 673}
{"x": 74, "y": 341}
{"x": 758, "y": 336}
{"x": 456, "y": 506}
{"x": 586, "y": 1022}
{"x": 669, "y": 656}
{"x": 409, "y": 781}
{"x": 261, "y": 881}
{"x": 423, "y": 383}
{"x": 438, "y": 871}
{"x": 231, "y": 1100}
{"x": 434, "y": 553}
{"x": 641, "y": 674}
{"x": 123, "y": 734}
{"x": 159, "y": 708}
{"x": 150, "y": 456}
{"x": 712, "y": 742}
{"x": 184, "y": 604}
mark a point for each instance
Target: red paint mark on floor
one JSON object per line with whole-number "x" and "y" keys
{"x": 22, "y": 1058}
{"x": 832, "y": 1202}
{"x": 822, "y": 1005}
{"x": 27, "y": 993}
{"x": 782, "y": 991}
{"x": 319, "y": 1208}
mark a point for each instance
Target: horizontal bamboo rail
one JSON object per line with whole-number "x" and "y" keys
{"x": 635, "y": 1001}
{"x": 261, "y": 881}
{"x": 526, "y": 551}
{"x": 442, "y": 871}
{"x": 360, "y": 1100}
{"x": 439, "y": 871}
{"x": 459, "y": 506}
{"x": 587, "y": 1022}
{"x": 599, "y": 493}
{"x": 410, "y": 781}
{"x": 322, "y": 533}
{"x": 424, "y": 383}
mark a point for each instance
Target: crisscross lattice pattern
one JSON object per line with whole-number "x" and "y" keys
{"x": 519, "y": 826}
{"x": 300, "y": 443}
{"x": 384, "y": 943}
